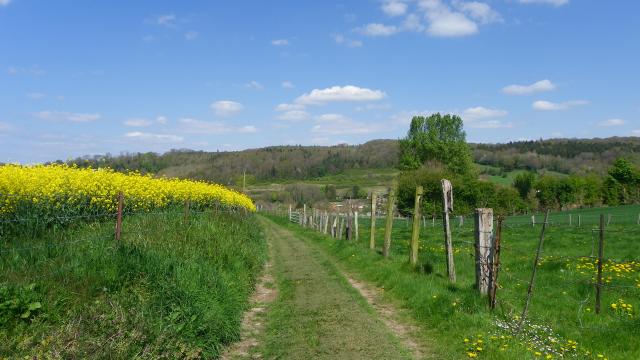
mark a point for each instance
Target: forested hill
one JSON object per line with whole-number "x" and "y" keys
{"x": 304, "y": 162}
{"x": 270, "y": 163}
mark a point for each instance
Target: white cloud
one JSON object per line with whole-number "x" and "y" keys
{"x": 538, "y": 86}
{"x": 489, "y": 124}
{"x": 338, "y": 124}
{"x": 412, "y": 23}
{"x": 338, "y": 94}
{"x": 247, "y": 129}
{"x": 394, "y": 8}
{"x": 191, "y": 35}
{"x": 36, "y": 96}
{"x": 166, "y": 20}
{"x": 549, "y": 2}
{"x": 450, "y": 24}
{"x": 280, "y": 42}
{"x": 294, "y": 115}
{"x": 287, "y": 85}
{"x": 342, "y": 40}
{"x": 551, "y": 106}
{"x": 253, "y": 85}
{"x": 636, "y": 132}
{"x": 4, "y": 2}
{"x": 612, "y": 122}
{"x": 289, "y": 107}
{"x": 226, "y": 107}
{"x": 479, "y": 11}
{"x": 195, "y": 126}
{"x": 138, "y": 122}
{"x": 34, "y": 70}
{"x": 376, "y": 29}
{"x": 161, "y": 120}
{"x": 142, "y": 136}
{"x": 480, "y": 112}
{"x": 66, "y": 116}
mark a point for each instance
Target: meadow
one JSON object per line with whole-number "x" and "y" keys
{"x": 561, "y": 322}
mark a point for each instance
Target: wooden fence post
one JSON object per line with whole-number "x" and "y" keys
{"x": 570, "y": 223}
{"x": 119, "y": 215}
{"x": 341, "y": 230}
{"x": 460, "y": 221}
{"x": 348, "y": 224}
{"x": 579, "y": 220}
{"x": 415, "y": 233}
{"x": 372, "y": 235}
{"x": 304, "y": 215}
{"x": 389, "y": 225}
{"x": 600, "y": 259}
{"x": 334, "y": 227}
{"x": 186, "y": 211}
{"x": 484, "y": 263}
{"x": 608, "y": 219}
{"x": 326, "y": 222}
{"x": 533, "y": 220}
{"x": 355, "y": 226}
{"x": 533, "y": 272}
{"x": 289, "y": 212}
{"x": 493, "y": 285}
{"x": 447, "y": 192}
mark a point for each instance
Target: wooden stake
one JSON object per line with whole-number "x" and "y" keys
{"x": 372, "y": 235}
{"x": 355, "y": 226}
{"x": 389, "y": 225}
{"x": 348, "y": 224}
{"x": 533, "y": 220}
{"x": 334, "y": 228}
{"x": 326, "y": 222}
{"x": 186, "y": 211}
{"x": 415, "y": 233}
{"x": 304, "y": 215}
{"x": 493, "y": 286}
{"x": 340, "y": 231}
{"x": 533, "y": 273}
{"x": 579, "y": 220}
{"x": 483, "y": 245}
{"x": 119, "y": 215}
{"x": 570, "y": 223}
{"x": 447, "y": 191}
{"x": 600, "y": 260}
{"x": 608, "y": 219}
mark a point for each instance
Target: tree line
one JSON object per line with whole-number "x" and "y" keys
{"x": 435, "y": 148}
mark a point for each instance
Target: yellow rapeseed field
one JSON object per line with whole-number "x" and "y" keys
{"x": 71, "y": 190}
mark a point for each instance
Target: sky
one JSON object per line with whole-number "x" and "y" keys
{"x": 94, "y": 77}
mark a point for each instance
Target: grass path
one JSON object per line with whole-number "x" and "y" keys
{"x": 321, "y": 314}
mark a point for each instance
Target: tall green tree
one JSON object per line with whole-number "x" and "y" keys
{"x": 437, "y": 137}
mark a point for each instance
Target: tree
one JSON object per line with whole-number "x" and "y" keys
{"x": 523, "y": 182}
{"x": 437, "y": 137}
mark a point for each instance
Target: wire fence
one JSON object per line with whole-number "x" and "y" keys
{"x": 575, "y": 285}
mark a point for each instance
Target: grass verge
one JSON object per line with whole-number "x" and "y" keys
{"x": 168, "y": 289}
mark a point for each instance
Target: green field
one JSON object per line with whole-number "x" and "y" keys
{"x": 561, "y": 321}
{"x": 168, "y": 289}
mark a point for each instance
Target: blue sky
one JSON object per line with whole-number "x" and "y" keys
{"x": 90, "y": 77}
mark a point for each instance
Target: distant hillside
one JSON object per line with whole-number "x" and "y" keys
{"x": 266, "y": 164}
{"x": 279, "y": 163}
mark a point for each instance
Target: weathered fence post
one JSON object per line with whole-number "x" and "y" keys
{"x": 341, "y": 230}
{"x": 355, "y": 226}
{"x": 570, "y": 222}
{"x": 372, "y": 235}
{"x": 608, "y": 219}
{"x": 415, "y": 233}
{"x": 493, "y": 285}
{"x": 289, "y": 212}
{"x": 600, "y": 259}
{"x": 484, "y": 244}
{"x": 326, "y": 221}
{"x": 579, "y": 220}
{"x": 533, "y": 272}
{"x": 447, "y": 192}
{"x": 348, "y": 223}
{"x": 186, "y": 211}
{"x": 389, "y": 225}
{"x": 334, "y": 227}
{"x": 304, "y": 215}
{"x": 119, "y": 215}
{"x": 460, "y": 221}
{"x": 533, "y": 220}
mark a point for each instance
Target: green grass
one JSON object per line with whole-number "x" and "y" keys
{"x": 563, "y": 300}
{"x": 167, "y": 289}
